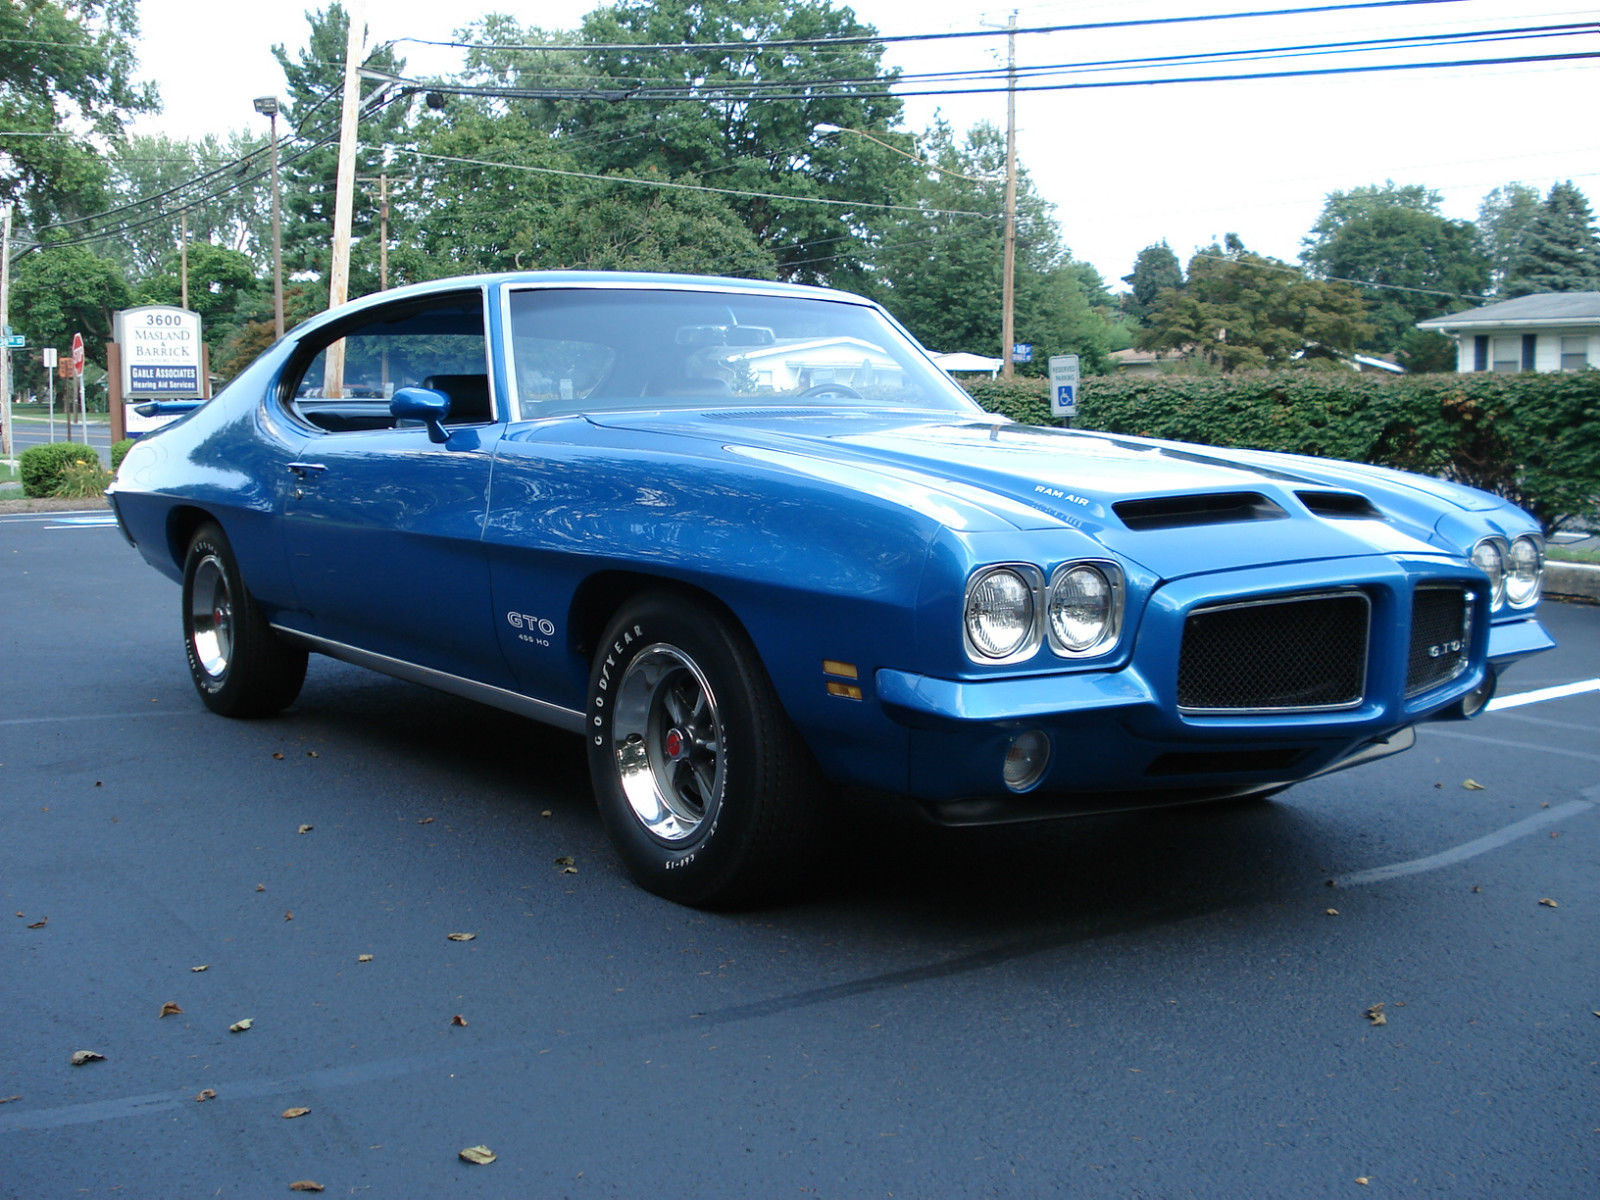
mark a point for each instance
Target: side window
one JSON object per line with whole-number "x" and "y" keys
{"x": 346, "y": 385}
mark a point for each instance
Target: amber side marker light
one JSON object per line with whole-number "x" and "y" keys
{"x": 841, "y": 670}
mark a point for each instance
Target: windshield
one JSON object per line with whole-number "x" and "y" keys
{"x": 587, "y": 350}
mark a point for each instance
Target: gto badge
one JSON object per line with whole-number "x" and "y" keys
{"x": 537, "y": 630}
{"x": 1444, "y": 648}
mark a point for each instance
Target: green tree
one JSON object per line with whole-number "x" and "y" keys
{"x": 1154, "y": 271}
{"x": 1243, "y": 311}
{"x": 940, "y": 267}
{"x": 1561, "y": 251}
{"x": 66, "y": 85}
{"x": 1503, "y": 220}
{"x": 157, "y": 172}
{"x": 225, "y": 288}
{"x": 1415, "y": 262}
{"x": 315, "y": 81}
{"x": 58, "y": 291}
{"x": 747, "y": 119}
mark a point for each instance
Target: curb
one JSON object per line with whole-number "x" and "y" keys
{"x": 1576, "y": 581}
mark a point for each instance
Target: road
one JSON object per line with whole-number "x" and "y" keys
{"x": 36, "y": 431}
{"x": 1152, "y": 1005}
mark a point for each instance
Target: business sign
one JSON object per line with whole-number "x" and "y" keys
{"x": 160, "y": 352}
{"x": 1064, "y": 385}
{"x": 1021, "y": 351}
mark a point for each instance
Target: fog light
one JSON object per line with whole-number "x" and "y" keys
{"x": 1026, "y": 758}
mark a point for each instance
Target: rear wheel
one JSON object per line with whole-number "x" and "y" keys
{"x": 703, "y": 784}
{"x": 239, "y": 666}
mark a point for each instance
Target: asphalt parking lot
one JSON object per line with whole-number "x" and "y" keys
{"x": 1381, "y": 983}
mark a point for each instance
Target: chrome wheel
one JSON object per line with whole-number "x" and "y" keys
{"x": 211, "y": 617}
{"x": 666, "y": 739}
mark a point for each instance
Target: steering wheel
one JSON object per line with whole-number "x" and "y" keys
{"x": 830, "y": 389}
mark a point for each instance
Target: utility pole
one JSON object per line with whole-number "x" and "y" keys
{"x": 1008, "y": 276}
{"x": 267, "y": 106}
{"x": 383, "y": 232}
{"x": 5, "y": 351}
{"x": 339, "y": 268}
{"x": 183, "y": 260}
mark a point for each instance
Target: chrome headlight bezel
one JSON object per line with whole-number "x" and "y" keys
{"x": 1110, "y": 576}
{"x": 986, "y": 648}
{"x": 1524, "y": 571}
{"x": 1489, "y": 556}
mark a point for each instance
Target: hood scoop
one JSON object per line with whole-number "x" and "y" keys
{"x": 1184, "y": 512}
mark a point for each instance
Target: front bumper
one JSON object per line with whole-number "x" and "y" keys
{"x": 1118, "y": 740}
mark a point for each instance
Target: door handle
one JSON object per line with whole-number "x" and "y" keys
{"x": 304, "y": 469}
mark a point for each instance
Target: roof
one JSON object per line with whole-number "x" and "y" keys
{"x": 1541, "y": 308}
{"x": 962, "y": 361}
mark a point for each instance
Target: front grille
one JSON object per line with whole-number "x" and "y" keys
{"x": 1276, "y": 655}
{"x": 1441, "y": 628}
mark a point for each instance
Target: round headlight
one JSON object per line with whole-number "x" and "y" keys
{"x": 999, "y": 613}
{"x": 1488, "y": 558}
{"x": 1082, "y": 609}
{"x": 1524, "y": 572}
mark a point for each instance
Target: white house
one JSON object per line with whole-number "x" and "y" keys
{"x": 1548, "y": 331}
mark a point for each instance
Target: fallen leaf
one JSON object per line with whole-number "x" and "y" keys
{"x": 312, "y": 754}
{"x": 208, "y": 1094}
{"x": 288, "y": 916}
{"x": 481, "y": 1155}
{"x": 1362, "y": 1180}
{"x": 458, "y": 1019}
{"x": 261, "y": 887}
{"x": 566, "y": 860}
{"x": 307, "y": 828}
{"x": 9, "y": 1099}
{"x": 290, "y": 1114}
{"x": 1375, "y": 1015}
{"x": 306, "y": 1185}
{"x": 277, "y": 756}
{"x": 1472, "y": 785}
{"x": 241, "y": 1026}
{"x": 169, "y": 1009}
{"x": 1332, "y": 912}
{"x": 79, "y": 1057}
{"x": 363, "y": 958}
{"x": 546, "y": 813}
{"x": 461, "y": 937}
{"x": 201, "y": 967}
{"x": 1549, "y": 903}
{"x": 40, "y": 923}
{"x": 569, "y": 870}
{"x": 425, "y": 821}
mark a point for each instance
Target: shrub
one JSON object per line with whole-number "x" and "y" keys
{"x": 1531, "y": 438}
{"x": 119, "y": 451}
{"x": 83, "y": 480}
{"x": 42, "y": 467}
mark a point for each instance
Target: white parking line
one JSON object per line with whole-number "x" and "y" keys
{"x": 1456, "y": 854}
{"x": 1550, "y": 693}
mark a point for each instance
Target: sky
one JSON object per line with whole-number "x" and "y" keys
{"x": 1124, "y": 167}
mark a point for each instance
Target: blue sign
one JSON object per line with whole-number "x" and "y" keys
{"x": 145, "y": 377}
{"x": 1065, "y": 397}
{"x": 1022, "y": 352}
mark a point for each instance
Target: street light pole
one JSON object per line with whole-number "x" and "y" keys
{"x": 267, "y": 106}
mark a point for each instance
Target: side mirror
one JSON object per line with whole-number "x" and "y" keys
{"x": 425, "y": 405}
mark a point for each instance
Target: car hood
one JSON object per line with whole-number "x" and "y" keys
{"x": 1175, "y": 508}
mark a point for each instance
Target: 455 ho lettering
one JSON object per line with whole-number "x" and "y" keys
{"x": 536, "y": 630}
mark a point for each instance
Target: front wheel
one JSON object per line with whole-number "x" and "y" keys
{"x": 704, "y": 786}
{"x": 239, "y": 666}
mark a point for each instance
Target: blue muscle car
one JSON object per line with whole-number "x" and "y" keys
{"x": 757, "y": 549}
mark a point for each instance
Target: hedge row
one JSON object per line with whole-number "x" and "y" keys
{"x": 1532, "y": 438}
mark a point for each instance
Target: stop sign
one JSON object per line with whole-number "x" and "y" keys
{"x": 77, "y": 353}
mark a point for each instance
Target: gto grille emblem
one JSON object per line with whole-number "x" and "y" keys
{"x": 1444, "y": 648}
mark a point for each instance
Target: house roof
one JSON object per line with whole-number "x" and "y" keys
{"x": 1542, "y": 309}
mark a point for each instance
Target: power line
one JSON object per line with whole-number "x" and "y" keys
{"x": 879, "y": 39}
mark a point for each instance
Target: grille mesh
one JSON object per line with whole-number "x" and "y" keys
{"x": 1439, "y": 641}
{"x": 1291, "y": 653}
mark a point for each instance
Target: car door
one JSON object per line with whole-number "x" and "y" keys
{"x": 384, "y": 523}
